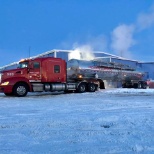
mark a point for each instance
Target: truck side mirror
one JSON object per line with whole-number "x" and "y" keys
{"x": 30, "y": 66}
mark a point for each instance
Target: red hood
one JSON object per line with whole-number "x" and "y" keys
{"x": 14, "y": 73}
{"x": 13, "y": 70}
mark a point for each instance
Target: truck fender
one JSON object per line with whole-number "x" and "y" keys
{"x": 101, "y": 84}
{"x": 14, "y": 81}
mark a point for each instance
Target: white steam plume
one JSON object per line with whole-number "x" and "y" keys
{"x": 122, "y": 36}
{"x": 83, "y": 52}
{"x": 86, "y": 51}
{"x": 145, "y": 20}
{"x": 98, "y": 43}
{"x": 122, "y": 39}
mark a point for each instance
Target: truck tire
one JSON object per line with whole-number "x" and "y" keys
{"x": 20, "y": 90}
{"x": 144, "y": 85}
{"x": 91, "y": 87}
{"x": 81, "y": 88}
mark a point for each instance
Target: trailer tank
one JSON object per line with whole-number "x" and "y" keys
{"x": 106, "y": 71}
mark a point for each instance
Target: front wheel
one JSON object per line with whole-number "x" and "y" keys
{"x": 20, "y": 90}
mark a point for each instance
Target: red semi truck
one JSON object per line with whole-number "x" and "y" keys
{"x": 45, "y": 74}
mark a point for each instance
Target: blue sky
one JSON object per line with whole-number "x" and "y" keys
{"x": 120, "y": 27}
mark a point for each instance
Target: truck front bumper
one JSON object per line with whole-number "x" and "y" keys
{"x": 6, "y": 89}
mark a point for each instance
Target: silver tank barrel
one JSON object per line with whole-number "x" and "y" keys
{"x": 104, "y": 70}
{"x": 75, "y": 67}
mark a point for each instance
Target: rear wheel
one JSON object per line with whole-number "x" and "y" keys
{"x": 81, "y": 88}
{"x": 144, "y": 85}
{"x": 20, "y": 90}
{"x": 91, "y": 87}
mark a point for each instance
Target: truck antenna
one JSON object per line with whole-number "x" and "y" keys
{"x": 29, "y": 51}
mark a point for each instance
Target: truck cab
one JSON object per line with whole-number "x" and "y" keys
{"x": 32, "y": 75}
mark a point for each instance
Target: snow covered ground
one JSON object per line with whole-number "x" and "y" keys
{"x": 114, "y": 121}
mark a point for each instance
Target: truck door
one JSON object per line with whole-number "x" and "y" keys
{"x": 34, "y": 72}
{"x": 56, "y": 72}
{"x": 53, "y": 71}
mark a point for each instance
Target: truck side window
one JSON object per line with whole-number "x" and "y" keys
{"x": 56, "y": 69}
{"x": 36, "y": 65}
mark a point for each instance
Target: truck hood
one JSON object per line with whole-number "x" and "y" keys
{"x": 16, "y": 70}
{"x": 13, "y": 73}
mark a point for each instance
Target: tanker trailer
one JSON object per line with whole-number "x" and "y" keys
{"x": 112, "y": 74}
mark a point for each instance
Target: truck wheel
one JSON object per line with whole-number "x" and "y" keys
{"x": 144, "y": 85}
{"x": 20, "y": 90}
{"x": 81, "y": 88}
{"x": 91, "y": 87}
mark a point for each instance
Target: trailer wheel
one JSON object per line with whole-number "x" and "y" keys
{"x": 144, "y": 85}
{"x": 81, "y": 88}
{"x": 91, "y": 87}
{"x": 20, "y": 90}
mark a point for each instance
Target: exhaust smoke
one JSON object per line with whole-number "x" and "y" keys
{"x": 122, "y": 40}
{"x": 84, "y": 52}
{"x": 122, "y": 36}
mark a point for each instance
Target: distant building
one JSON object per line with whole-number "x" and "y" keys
{"x": 147, "y": 67}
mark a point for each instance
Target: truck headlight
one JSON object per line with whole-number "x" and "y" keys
{"x": 5, "y": 83}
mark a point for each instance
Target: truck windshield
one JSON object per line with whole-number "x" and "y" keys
{"x": 23, "y": 64}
